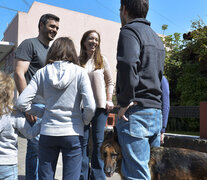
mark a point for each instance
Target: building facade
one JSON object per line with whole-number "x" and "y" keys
{"x": 72, "y": 24}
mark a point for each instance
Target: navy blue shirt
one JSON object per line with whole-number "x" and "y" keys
{"x": 140, "y": 64}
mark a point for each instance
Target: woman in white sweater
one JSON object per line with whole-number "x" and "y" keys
{"x": 102, "y": 84}
{"x": 69, "y": 104}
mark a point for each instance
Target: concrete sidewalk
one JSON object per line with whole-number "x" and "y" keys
{"x": 21, "y": 163}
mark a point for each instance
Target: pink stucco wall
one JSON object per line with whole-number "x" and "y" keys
{"x": 72, "y": 24}
{"x": 11, "y": 33}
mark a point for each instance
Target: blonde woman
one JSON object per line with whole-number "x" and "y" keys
{"x": 101, "y": 80}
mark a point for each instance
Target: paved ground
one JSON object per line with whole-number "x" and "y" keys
{"x": 58, "y": 176}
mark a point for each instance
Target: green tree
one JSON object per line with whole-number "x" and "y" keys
{"x": 180, "y": 54}
{"x": 186, "y": 68}
{"x": 164, "y": 27}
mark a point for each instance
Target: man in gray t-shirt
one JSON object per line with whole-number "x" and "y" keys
{"x": 34, "y": 52}
{"x": 31, "y": 56}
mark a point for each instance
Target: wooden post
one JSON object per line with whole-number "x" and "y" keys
{"x": 203, "y": 120}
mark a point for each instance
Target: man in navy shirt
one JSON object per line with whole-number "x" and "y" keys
{"x": 140, "y": 64}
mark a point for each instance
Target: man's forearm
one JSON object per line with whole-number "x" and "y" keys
{"x": 20, "y": 82}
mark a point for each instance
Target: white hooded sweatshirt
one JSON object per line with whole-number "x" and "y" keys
{"x": 69, "y": 101}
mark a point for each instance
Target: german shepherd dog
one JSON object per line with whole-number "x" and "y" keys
{"x": 165, "y": 163}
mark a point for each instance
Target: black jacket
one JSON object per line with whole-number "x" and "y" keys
{"x": 140, "y": 64}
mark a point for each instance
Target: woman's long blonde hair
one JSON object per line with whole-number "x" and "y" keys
{"x": 7, "y": 86}
{"x": 98, "y": 59}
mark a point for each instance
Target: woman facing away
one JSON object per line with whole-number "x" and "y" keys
{"x": 69, "y": 104}
{"x": 101, "y": 80}
{"x": 12, "y": 123}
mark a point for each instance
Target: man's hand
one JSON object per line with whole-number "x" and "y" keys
{"x": 32, "y": 119}
{"x": 122, "y": 111}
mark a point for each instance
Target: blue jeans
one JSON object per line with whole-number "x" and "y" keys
{"x": 32, "y": 156}
{"x": 98, "y": 124}
{"x": 9, "y": 172}
{"x": 49, "y": 149}
{"x": 136, "y": 136}
{"x": 32, "y": 159}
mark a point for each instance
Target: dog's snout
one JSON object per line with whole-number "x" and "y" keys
{"x": 107, "y": 169}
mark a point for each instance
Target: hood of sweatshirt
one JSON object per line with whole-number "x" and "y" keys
{"x": 60, "y": 73}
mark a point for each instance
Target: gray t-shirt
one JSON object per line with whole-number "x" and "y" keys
{"x": 35, "y": 52}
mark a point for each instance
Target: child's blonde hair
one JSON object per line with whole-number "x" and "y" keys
{"x": 7, "y": 86}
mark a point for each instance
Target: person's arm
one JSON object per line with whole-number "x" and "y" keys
{"x": 89, "y": 105}
{"x": 21, "y": 68}
{"x": 109, "y": 85}
{"x": 24, "y": 102}
{"x": 165, "y": 106}
{"x": 128, "y": 63}
{"x": 122, "y": 111}
{"x": 24, "y": 55}
{"x": 165, "y": 102}
{"x": 25, "y": 128}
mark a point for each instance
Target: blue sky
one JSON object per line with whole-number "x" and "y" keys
{"x": 177, "y": 14}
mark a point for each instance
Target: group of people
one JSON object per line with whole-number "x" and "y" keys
{"x": 62, "y": 96}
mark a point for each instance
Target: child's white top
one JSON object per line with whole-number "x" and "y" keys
{"x": 11, "y": 125}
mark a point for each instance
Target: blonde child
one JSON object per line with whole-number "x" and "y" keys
{"x": 11, "y": 124}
